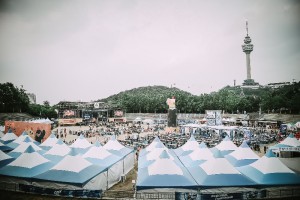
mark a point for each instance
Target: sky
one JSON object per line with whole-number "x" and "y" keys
{"x": 63, "y": 50}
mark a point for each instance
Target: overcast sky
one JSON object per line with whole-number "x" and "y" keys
{"x": 87, "y": 50}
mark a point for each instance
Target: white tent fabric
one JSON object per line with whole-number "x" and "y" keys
{"x": 57, "y": 152}
{"x": 269, "y": 170}
{"x": 4, "y": 147}
{"x": 123, "y": 152}
{"x": 164, "y": 173}
{"x": 49, "y": 142}
{"x": 225, "y": 147}
{"x": 242, "y": 156}
{"x": 219, "y": 172}
{"x": 8, "y": 137}
{"x": 81, "y": 145}
{"x": 23, "y": 147}
{"x": 5, "y": 159}
{"x": 22, "y": 138}
{"x": 27, "y": 165}
{"x": 197, "y": 157}
{"x": 74, "y": 170}
{"x": 188, "y": 147}
{"x": 100, "y": 156}
{"x": 291, "y": 141}
{"x": 151, "y": 146}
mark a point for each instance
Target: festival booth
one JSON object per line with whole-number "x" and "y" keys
{"x": 270, "y": 171}
{"x": 150, "y": 146}
{"x": 288, "y": 152}
{"x": 242, "y": 156}
{"x": 165, "y": 174}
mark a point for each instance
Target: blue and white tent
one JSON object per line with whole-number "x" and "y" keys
{"x": 225, "y": 147}
{"x": 127, "y": 154}
{"x": 73, "y": 172}
{"x": 165, "y": 172}
{"x": 154, "y": 154}
{"x": 57, "y": 152}
{"x": 24, "y": 137}
{"x": 23, "y": 147}
{"x": 4, "y": 147}
{"x": 219, "y": 172}
{"x": 27, "y": 165}
{"x": 270, "y": 171}
{"x": 49, "y": 142}
{"x": 197, "y": 157}
{"x": 151, "y": 146}
{"x": 242, "y": 156}
{"x": 100, "y": 156}
{"x": 188, "y": 147}
{"x": 290, "y": 141}
{"x": 5, "y": 159}
{"x": 81, "y": 145}
{"x": 8, "y": 137}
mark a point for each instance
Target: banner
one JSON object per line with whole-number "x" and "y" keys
{"x": 60, "y": 192}
{"x": 37, "y": 131}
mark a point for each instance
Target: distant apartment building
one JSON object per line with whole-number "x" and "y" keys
{"x": 32, "y": 98}
{"x": 277, "y": 85}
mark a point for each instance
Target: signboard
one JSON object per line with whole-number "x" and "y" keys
{"x": 118, "y": 113}
{"x": 297, "y": 149}
{"x": 37, "y": 131}
{"x": 60, "y": 192}
{"x": 213, "y": 117}
{"x": 68, "y": 113}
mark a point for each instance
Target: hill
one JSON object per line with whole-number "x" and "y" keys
{"x": 147, "y": 99}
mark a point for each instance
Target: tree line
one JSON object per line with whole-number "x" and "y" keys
{"x": 152, "y": 99}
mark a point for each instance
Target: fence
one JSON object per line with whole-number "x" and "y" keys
{"x": 267, "y": 193}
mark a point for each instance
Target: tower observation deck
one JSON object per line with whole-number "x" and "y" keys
{"x": 247, "y": 49}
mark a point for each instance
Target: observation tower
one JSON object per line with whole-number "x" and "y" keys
{"x": 247, "y": 49}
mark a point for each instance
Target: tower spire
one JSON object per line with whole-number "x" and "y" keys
{"x": 247, "y": 26}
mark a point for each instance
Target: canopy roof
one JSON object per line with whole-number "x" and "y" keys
{"x": 72, "y": 170}
{"x": 226, "y": 146}
{"x": 8, "y": 137}
{"x": 165, "y": 172}
{"x": 269, "y": 170}
{"x": 242, "y": 156}
{"x": 28, "y": 164}
{"x": 116, "y": 148}
{"x": 188, "y": 147}
{"x": 100, "y": 156}
{"x": 219, "y": 173}
{"x": 49, "y": 142}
